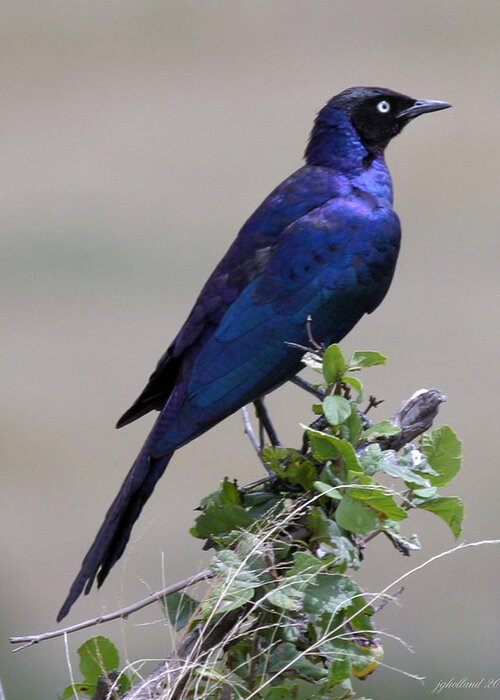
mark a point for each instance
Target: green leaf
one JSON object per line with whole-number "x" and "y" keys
{"x": 290, "y": 588}
{"x": 380, "y": 500}
{"x": 291, "y": 465}
{"x": 357, "y": 476}
{"x": 424, "y": 494}
{"x": 366, "y": 358}
{"x": 218, "y": 519}
{"x": 327, "y": 490}
{"x": 415, "y": 459}
{"x": 252, "y": 499}
{"x": 258, "y": 503}
{"x": 339, "y": 670}
{"x": 287, "y": 656}
{"x": 449, "y": 508}
{"x": 280, "y": 692}
{"x": 383, "y": 428}
{"x": 393, "y": 465}
{"x": 301, "y": 471}
{"x": 230, "y": 493}
{"x": 343, "y": 691}
{"x": 358, "y": 658}
{"x": 355, "y": 516}
{"x": 329, "y": 474}
{"x": 286, "y": 597}
{"x": 330, "y": 593}
{"x": 97, "y": 655}
{"x": 352, "y": 427}
{"x": 281, "y": 551}
{"x": 326, "y": 447}
{"x": 305, "y": 563}
{"x": 222, "y": 600}
{"x": 256, "y": 555}
{"x": 334, "y": 364}
{"x": 227, "y": 564}
{"x": 180, "y": 609}
{"x": 340, "y": 553}
{"x": 443, "y": 450}
{"x": 235, "y": 585}
{"x": 336, "y": 409}
{"x": 125, "y": 683}
{"x": 368, "y": 658}
{"x": 85, "y": 688}
{"x": 321, "y": 527}
{"x": 372, "y": 459}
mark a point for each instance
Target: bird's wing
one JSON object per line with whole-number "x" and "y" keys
{"x": 246, "y": 259}
{"x": 333, "y": 264}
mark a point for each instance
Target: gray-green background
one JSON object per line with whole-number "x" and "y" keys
{"x": 135, "y": 138}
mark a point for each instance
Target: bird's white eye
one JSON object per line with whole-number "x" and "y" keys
{"x": 383, "y": 106}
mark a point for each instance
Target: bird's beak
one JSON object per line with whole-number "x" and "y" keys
{"x": 421, "y": 107}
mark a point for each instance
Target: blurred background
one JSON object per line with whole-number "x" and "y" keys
{"x": 136, "y": 138}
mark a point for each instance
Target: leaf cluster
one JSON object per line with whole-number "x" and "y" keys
{"x": 286, "y": 548}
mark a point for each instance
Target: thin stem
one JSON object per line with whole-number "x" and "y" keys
{"x": 298, "y": 346}
{"x": 253, "y": 439}
{"x": 310, "y": 337}
{"x": 373, "y": 402}
{"x": 307, "y": 386}
{"x": 249, "y": 431}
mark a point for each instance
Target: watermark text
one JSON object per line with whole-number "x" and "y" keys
{"x": 466, "y": 683}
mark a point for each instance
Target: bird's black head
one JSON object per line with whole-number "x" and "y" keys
{"x": 377, "y": 115}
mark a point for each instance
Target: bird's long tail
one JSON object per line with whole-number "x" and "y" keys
{"x": 115, "y": 531}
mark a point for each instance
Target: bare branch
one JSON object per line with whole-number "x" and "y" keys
{"x": 123, "y": 613}
{"x": 373, "y": 402}
{"x": 415, "y": 416}
{"x": 307, "y": 386}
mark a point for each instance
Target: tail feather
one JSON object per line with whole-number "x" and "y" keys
{"x": 115, "y": 531}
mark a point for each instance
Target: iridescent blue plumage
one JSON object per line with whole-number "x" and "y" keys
{"x": 323, "y": 245}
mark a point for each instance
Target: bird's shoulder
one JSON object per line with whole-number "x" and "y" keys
{"x": 313, "y": 199}
{"x": 305, "y": 190}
